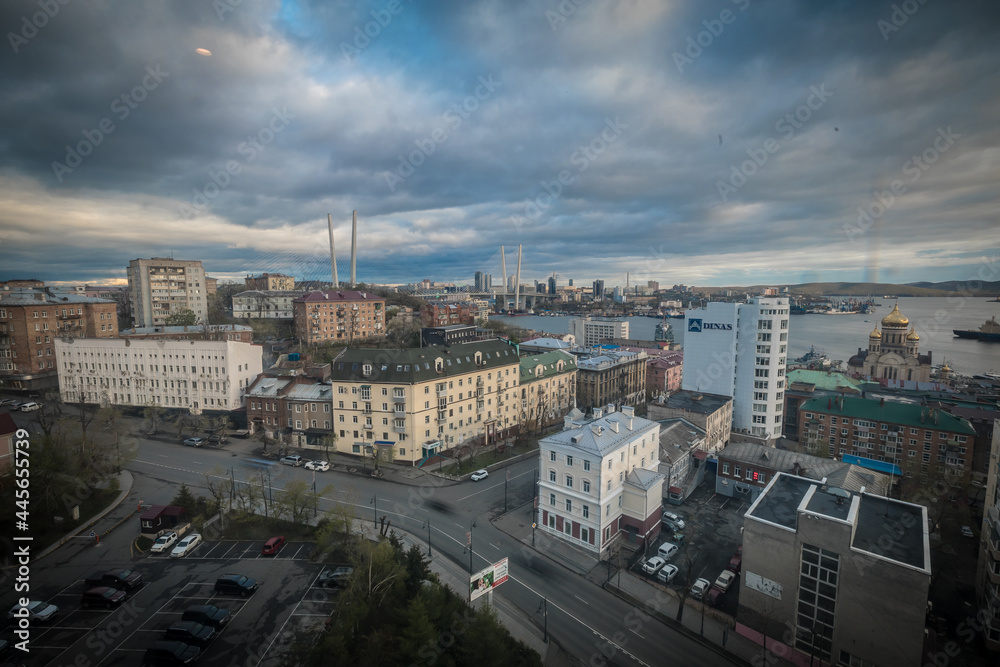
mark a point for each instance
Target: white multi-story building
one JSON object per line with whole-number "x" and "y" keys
{"x": 740, "y": 350}
{"x": 592, "y": 330}
{"x": 599, "y": 479}
{"x": 196, "y": 375}
{"x": 161, "y": 287}
{"x": 266, "y": 304}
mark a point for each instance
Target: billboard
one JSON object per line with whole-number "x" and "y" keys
{"x": 487, "y": 579}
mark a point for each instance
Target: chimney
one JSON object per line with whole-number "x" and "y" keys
{"x": 598, "y": 413}
{"x": 354, "y": 251}
{"x": 614, "y": 426}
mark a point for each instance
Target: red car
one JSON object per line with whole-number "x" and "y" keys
{"x": 272, "y": 546}
{"x": 736, "y": 562}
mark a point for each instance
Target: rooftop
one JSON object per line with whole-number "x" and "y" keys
{"x": 261, "y": 294}
{"x": 547, "y": 343}
{"x": 910, "y": 541}
{"x": 888, "y": 411}
{"x": 195, "y": 328}
{"x": 319, "y": 296}
{"x": 599, "y": 437}
{"x": 548, "y": 361}
{"x": 29, "y": 297}
{"x": 609, "y": 359}
{"x": 643, "y": 479}
{"x": 697, "y": 401}
{"x": 408, "y": 366}
{"x": 825, "y": 380}
{"x": 805, "y": 465}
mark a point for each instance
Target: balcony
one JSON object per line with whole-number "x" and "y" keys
{"x": 442, "y": 393}
{"x": 442, "y": 416}
{"x": 399, "y": 410}
{"x": 399, "y": 429}
{"x": 366, "y": 411}
{"x": 369, "y": 427}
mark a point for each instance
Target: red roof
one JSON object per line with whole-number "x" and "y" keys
{"x": 326, "y": 297}
{"x": 700, "y": 454}
{"x": 675, "y": 489}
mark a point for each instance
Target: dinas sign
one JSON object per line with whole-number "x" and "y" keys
{"x": 696, "y": 324}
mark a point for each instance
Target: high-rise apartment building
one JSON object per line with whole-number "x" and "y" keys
{"x": 592, "y": 330}
{"x": 740, "y": 350}
{"x": 479, "y": 281}
{"x": 598, "y": 290}
{"x": 160, "y": 287}
{"x": 988, "y": 570}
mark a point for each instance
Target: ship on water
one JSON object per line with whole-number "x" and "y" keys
{"x": 664, "y": 332}
{"x": 988, "y": 332}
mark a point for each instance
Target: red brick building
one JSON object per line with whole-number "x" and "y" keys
{"x": 31, "y": 320}
{"x": 663, "y": 373}
{"x": 344, "y": 317}
{"x": 445, "y": 314}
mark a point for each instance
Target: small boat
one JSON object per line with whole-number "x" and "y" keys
{"x": 988, "y": 332}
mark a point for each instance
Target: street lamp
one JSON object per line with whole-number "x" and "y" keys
{"x": 375, "y": 502}
{"x": 543, "y": 607}
{"x": 470, "y": 559}
{"x": 427, "y": 523}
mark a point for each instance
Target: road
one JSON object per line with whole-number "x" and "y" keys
{"x": 590, "y": 623}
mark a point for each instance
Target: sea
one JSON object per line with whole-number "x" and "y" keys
{"x": 840, "y": 336}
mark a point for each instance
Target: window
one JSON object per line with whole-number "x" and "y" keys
{"x": 736, "y": 471}
{"x": 552, "y": 499}
{"x": 552, "y": 456}
{"x": 569, "y": 481}
{"x": 586, "y": 486}
{"x": 552, "y": 475}
{"x": 569, "y": 460}
{"x": 569, "y": 505}
{"x": 586, "y": 465}
{"x": 586, "y": 515}
{"x": 725, "y": 468}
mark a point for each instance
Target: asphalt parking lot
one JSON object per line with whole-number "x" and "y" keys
{"x": 712, "y": 533}
{"x": 264, "y": 631}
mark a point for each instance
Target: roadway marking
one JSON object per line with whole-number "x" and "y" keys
{"x": 636, "y": 633}
{"x": 268, "y": 649}
{"x": 582, "y": 600}
{"x": 489, "y": 488}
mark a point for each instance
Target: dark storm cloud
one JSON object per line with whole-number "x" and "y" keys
{"x": 712, "y": 142}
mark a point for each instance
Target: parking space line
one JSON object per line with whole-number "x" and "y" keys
{"x": 268, "y": 649}
{"x": 226, "y": 555}
{"x": 323, "y": 615}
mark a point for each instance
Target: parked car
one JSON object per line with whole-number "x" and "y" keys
{"x": 165, "y": 652}
{"x": 670, "y": 525}
{"x": 30, "y": 406}
{"x": 124, "y": 580}
{"x": 667, "y": 573}
{"x": 9, "y": 401}
{"x": 236, "y": 584}
{"x": 207, "y": 614}
{"x": 667, "y": 550}
{"x": 103, "y": 596}
{"x": 966, "y": 531}
{"x": 321, "y": 466}
{"x": 676, "y": 519}
{"x": 36, "y": 611}
{"x": 334, "y": 578}
{"x": 480, "y": 474}
{"x": 272, "y": 546}
{"x": 653, "y": 565}
{"x": 163, "y": 542}
{"x": 714, "y": 596}
{"x": 194, "y": 442}
{"x": 700, "y": 588}
{"x": 186, "y": 546}
{"x": 191, "y": 632}
{"x": 218, "y": 439}
{"x": 725, "y": 580}
{"x": 294, "y": 460}
{"x": 736, "y": 562}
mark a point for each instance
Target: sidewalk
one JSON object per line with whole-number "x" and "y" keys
{"x": 635, "y": 589}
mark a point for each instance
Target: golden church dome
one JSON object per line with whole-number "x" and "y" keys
{"x": 912, "y": 335}
{"x": 895, "y": 318}
{"x": 875, "y": 333}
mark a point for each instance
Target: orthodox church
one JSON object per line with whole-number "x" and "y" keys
{"x": 892, "y": 353}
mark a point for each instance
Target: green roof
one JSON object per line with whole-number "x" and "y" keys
{"x": 826, "y": 380}
{"x": 414, "y": 365}
{"x": 548, "y": 361}
{"x": 890, "y": 412}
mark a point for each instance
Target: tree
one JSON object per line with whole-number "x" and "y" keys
{"x": 219, "y": 486}
{"x": 184, "y": 498}
{"x": 113, "y": 423}
{"x": 151, "y": 414}
{"x": 183, "y": 317}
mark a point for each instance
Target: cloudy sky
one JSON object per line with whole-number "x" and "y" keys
{"x": 706, "y": 142}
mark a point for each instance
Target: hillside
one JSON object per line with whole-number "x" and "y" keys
{"x": 879, "y": 290}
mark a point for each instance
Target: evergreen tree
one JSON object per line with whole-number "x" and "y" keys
{"x": 185, "y": 499}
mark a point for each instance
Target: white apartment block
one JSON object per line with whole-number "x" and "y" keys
{"x": 599, "y": 479}
{"x": 591, "y": 331}
{"x": 266, "y": 304}
{"x": 160, "y": 287}
{"x": 195, "y": 375}
{"x": 740, "y": 350}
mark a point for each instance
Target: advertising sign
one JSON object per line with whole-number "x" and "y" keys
{"x": 487, "y": 579}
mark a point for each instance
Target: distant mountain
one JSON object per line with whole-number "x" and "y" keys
{"x": 877, "y": 290}
{"x": 988, "y": 288}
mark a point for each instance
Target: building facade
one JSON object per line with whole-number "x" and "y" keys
{"x": 548, "y": 389}
{"x": 447, "y": 314}
{"x": 298, "y": 406}
{"x": 160, "y": 287}
{"x": 616, "y": 377}
{"x": 414, "y": 403}
{"x": 321, "y": 317}
{"x": 892, "y": 353}
{"x": 269, "y": 282}
{"x": 988, "y": 570}
{"x": 266, "y": 304}
{"x": 598, "y": 482}
{"x": 740, "y": 350}
{"x": 193, "y": 375}
{"x": 804, "y": 384}
{"x": 664, "y": 374}
{"x": 589, "y": 331}
{"x": 236, "y": 332}
{"x": 925, "y": 443}
{"x": 598, "y": 289}
{"x": 30, "y": 322}
{"x": 710, "y": 412}
{"x": 834, "y": 574}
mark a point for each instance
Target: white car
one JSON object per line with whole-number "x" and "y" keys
{"x": 163, "y": 542}
{"x": 37, "y": 611}
{"x": 322, "y": 466}
{"x": 725, "y": 580}
{"x": 674, "y": 518}
{"x": 185, "y": 546}
{"x": 700, "y": 588}
{"x": 667, "y": 574}
{"x": 653, "y": 565}
{"x": 294, "y": 460}
{"x": 29, "y": 406}
{"x": 480, "y": 474}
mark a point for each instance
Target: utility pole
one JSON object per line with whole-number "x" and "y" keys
{"x": 375, "y": 502}
{"x": 429, "y": 552}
